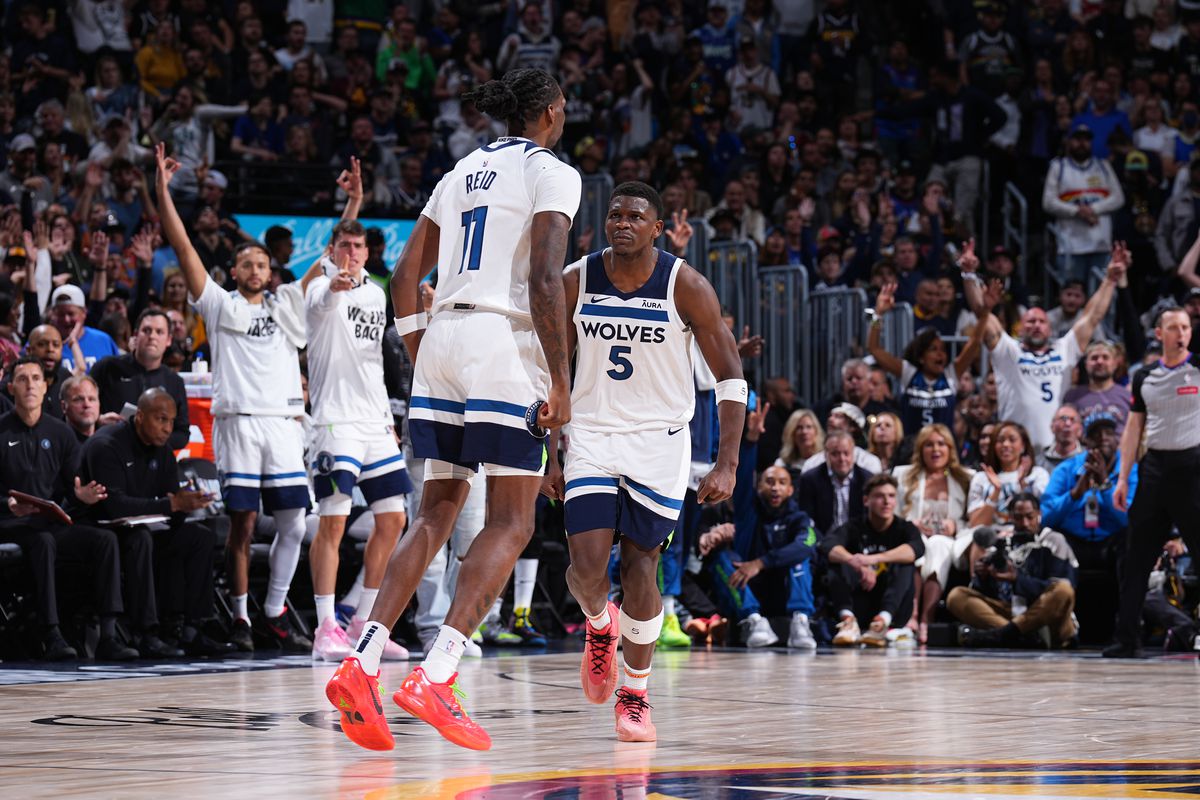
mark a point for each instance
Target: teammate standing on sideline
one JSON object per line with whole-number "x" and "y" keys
{"x": 1034, "y": 374}
{"x": 636, "y": 310}
{"x": 354, "y": 436}
{"x": 1166, "y": 405}
{"x": 255, "y": 337}
{"x": 491, "y": 374}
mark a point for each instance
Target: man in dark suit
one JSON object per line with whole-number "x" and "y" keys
{"x": 832, "y": 494}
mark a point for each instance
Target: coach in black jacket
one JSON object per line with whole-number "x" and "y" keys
{"x": 142, "y": 478}
{"x": 817, "y": 494}
{"x": 123, "y": 379}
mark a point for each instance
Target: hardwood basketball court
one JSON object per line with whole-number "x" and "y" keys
{"x": 731, "y": 724}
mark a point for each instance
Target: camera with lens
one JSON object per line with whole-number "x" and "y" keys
{"x": 994, "y": 546}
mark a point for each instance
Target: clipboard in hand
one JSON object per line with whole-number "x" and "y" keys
{"x": 46, "y": 508}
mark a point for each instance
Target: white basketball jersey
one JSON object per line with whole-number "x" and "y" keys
{"x": 256, "y": 370}
{"x": 345, "y": 353}
{"x": 484, "y": 208}
{"x": 633, "y": 370}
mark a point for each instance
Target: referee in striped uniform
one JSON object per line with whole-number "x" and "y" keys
{"x": 1166, "y": 405}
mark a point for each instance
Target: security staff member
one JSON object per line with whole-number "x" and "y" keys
{"x": 39, "y": 457}
{"x": 1166, "y": 404}
{"x": 122, "y": 379}
{"x": 142, "y": 478}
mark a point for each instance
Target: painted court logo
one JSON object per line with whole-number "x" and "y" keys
{"x": 864, "y": 781}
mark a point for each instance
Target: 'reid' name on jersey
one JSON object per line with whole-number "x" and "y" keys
{"x": 480, "y": 181}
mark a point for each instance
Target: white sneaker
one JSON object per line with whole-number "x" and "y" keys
{"x": 848, "y": 633}
{"x": 391, "y": 650}
{"x": 800, "y": 634}
{"x": 901, "y": 638}
{"x": 471, "y": 650}
{"x": 756, "y": 631}
{"x": 330, "y": 642}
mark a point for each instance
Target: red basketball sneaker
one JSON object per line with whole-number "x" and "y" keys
{"x": 598, "y": 672}
{"x": 633, "y": 716}
{"x": 358, "y": 697}
{"x": 437, "y": 704}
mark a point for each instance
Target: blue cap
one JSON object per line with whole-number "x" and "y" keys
{"x": 1099, "y": 418}
{"x": 1080, "y": 129}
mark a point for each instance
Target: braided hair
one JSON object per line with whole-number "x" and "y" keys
{"x": 517, "y": 98}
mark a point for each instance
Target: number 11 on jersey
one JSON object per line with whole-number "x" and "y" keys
{"x": 473, "y": 222}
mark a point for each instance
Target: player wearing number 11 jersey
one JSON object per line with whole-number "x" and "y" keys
{"x": 636, "y": 311}
{"x": 491, "y": 371}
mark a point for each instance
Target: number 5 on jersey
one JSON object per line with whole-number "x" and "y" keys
{"x": 473, "y": 223}
{"x": 623, "y": 368}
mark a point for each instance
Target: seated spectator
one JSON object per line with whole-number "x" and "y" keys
{"x": 1078, "y": 500}
{"x": 856, "y": 390}
{"x": 933, "y": 496}
{"x": 1101, "y": 394}
{"x": 80, "y": 405}
{"x": 123, "y": 379}
{"x": 761, "y": 564}
{"x": 22, "y": 174}
{"x": 43, "y": 465}
{"x": 832, "y": 493}
{"x": 68, "y": 310}
{"x": 160, "y": 61}
{"x": 885, "y": 435}
{"x": 175, "y": 298}
{"x": 781, "y": 402}
{"x": 928, "y": 381}
{"x": 969, "y": 423}
{"x": 881, "y": 387}
{"x": 849, "y": 419}
{"x": 256, "y": 134}
{"x": 142, "y": 480}
{"x": 802, "y": 439}
{"x": 1021, "y": 583}
{"x": 1067, "y": 429}
{"x": 871, "y": 567}
{"x": 1071, "y": 299}
{"x": 748, "y": 222}
{"x": 1008, "y": 468}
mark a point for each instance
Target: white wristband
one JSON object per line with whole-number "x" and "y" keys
{"x": 412, "y": 323}
{"x": 734, "y": 389}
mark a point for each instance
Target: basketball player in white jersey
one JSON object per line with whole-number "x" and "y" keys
{"x": 353, "y": 438}
{"x": 636, "y": 312}
{"x": 255, "y": 338}
{"x": 491, "y": 375}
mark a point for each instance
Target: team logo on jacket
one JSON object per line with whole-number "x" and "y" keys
{"x": 324, "y": 462}
{"x": 45, "y": 444}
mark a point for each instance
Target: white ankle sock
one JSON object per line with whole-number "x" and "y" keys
{"x": 370, "y": 647}
{"x": 324, "y": 608}
{"x": 886, "y": 617}
{"x": 442, "y": 662}
{"x": 493, "y": 615}
{"x": 351, "y": 597}
{"x": 601, "y": 620}
{"x": 524, "y": 579}
{"x": 636, "y": 678}
{"x": 366, "y": 602}
{"x": 239, "y": 607}
{"x": 668, "y": 602}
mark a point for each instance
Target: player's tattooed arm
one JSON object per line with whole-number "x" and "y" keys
{"x": 417, "y": 260}
{"x": 697, "y": 302}
{"x": 547, "y": 306}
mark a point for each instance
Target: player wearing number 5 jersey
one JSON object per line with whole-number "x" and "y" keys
{"x": 636, "y": 311}
{"x": 1033, "y": 375}
{"x": 496, "y": 229}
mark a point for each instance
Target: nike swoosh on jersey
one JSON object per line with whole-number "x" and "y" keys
{"x": 599, "y": 298}
{"x": 672, "y": 433}
{"x": 11, "y": 444}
